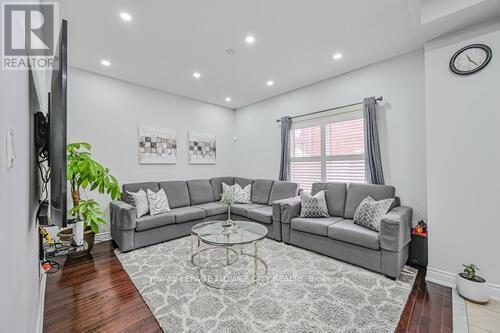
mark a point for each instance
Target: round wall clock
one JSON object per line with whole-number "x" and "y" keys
{"x": 470, "y": 59}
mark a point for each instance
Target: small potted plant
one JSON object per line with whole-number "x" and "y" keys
{"x": 228, "y": 199}
{"x": 471, "y": 286}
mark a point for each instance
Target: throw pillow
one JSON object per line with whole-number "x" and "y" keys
{"x": 158, "y": 202}
{"x": 139, "y": 200}
{"x": 369, "y": 213}
{"x": 240, "y": 195}
{"x": 313, "y": 206}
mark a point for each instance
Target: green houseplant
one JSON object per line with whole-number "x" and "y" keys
{"x": 471, "y": 286}
{"x": 84, "y": 173}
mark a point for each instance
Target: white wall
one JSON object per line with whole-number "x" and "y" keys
{"x": 401, "y": 123}
{"x": 106, "y": 113}
{"x": 19, "y": 280}
{"x": 463, "y": 158}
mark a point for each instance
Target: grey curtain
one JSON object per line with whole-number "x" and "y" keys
{"x": 286, "y": 123}
{"x": 373, "y": 163}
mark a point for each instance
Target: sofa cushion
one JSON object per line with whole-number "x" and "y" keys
{"x": 177, "y": 193}
{"x": 261, "y": 189}
{"x": 134, "y": 187}
{"x": 335, "y": 194}
{"x": 242, "y": 209}
{"x": 314, "y": 225}
{"x": 184, "y": 214}
{"x": 242, "y": 181}
{"x": 283, "y": 190}
{"x": 238, "y": 194}
{"x": 370, "y": 212}
{"x": 200, "y": 191}
{"x": 217, "y": 185}
{"x": 212, "y": 208}
{"x": 262, "y": 214}
{"x": 313, "y": 206}
{"x": 357, "y": 192}
{"x": 349, "y": 232}
{"x": 149, "y": 222}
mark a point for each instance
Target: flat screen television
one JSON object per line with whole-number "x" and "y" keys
{"x": 57, "y": 131}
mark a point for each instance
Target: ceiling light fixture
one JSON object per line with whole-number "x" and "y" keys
{"x": 337, "y": 56}
{"x": 270, "y": 83}
{"x": 228, "y": 99}
{"x": 250, "y": 39}
{"x": 196, "y": 75}
{"x": 126, "y": 16}
{"x": 105, "y": 63}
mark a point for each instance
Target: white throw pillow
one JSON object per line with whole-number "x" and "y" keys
{"x": 240, "y": 195}
{"x": 158, "y": 202}
{"x": 313, "y": 206}
{"x": 369, "y": 213}
{"x": 139, "y": 200}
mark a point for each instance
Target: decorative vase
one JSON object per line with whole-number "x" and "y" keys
{"x": 476, "y": 291}
{"x": 229, "y": 212}
{"x": 66, "y": 236}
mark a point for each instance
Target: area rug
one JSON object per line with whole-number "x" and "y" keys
{"x": 302, "y": 292}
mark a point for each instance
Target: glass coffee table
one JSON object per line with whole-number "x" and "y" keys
{"x": 218, "y": 247}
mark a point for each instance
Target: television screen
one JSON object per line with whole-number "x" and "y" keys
{"x": 57, "y": 132}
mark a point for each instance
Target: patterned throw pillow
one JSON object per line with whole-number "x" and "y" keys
{"x": 158, "y": 202}
{"x": 369, "y": 213}
{"x": 139, "y": 200}
{"x": 240, "y": 195}
{"x": 313, "y": 206}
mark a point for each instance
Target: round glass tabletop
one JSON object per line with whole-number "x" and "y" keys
{"x": 242, "y": 232}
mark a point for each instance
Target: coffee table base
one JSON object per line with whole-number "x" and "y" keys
{"x": 196, "y": 261}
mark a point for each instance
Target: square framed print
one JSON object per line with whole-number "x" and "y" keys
{"x": 157, "y": 145}
{"x": 202, "y": 148}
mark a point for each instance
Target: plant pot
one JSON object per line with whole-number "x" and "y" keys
{"x": 476, "y": 291}
{"x": 66, "y": 235}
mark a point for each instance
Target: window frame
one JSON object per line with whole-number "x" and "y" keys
{"x": 340, "y": 115}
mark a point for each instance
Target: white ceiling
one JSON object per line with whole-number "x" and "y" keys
{"x": 168, "y": 40}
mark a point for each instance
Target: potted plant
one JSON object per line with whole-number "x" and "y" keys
{"x": 471, "y": 286}
{"x": 83, "y": 173}
{"x": 228, "y": 199}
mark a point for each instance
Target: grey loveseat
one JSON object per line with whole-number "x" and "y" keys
{"x": 337, "y": 236}
{"x": 195, "y": 201}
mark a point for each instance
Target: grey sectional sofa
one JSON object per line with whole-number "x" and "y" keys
{"x": 337, "y": 236}
{"x": 195, "y": 201}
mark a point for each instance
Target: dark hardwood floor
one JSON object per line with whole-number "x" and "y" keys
{"x": 96, "y": 295}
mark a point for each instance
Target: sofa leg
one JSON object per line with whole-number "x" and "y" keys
{"x": 391, "y": 277}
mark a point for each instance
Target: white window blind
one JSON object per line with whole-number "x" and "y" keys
{"x": 329, "y": 148}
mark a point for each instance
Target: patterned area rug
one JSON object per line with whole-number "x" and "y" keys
{"x": 302, "y": 292}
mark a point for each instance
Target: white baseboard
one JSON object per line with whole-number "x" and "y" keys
{"x": 460, "y": 321}
{"x": 103, "y": 236}
{"x": 447, "y": 279}
{"x": 41, "y": 301}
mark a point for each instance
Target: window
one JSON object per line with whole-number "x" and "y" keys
{"x": 330, "y": 148}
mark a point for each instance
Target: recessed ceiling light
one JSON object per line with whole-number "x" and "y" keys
{"x": 197, "y": 75}
{"x": 270, "y": 83}
{"x": 126, "y": 16}
{"x": 105, "y": 63}
{"x": 228, "y": 99}
{"x": 337, "y": 56}
{"x": 250, "y": 39}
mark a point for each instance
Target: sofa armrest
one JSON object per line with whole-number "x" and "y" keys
{"x": 288, "y": 208}
{"x": 123, "y": 215}
{"x": 395, "y": 229}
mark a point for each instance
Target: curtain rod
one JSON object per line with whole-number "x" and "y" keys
{"x": 331, "y": 109}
